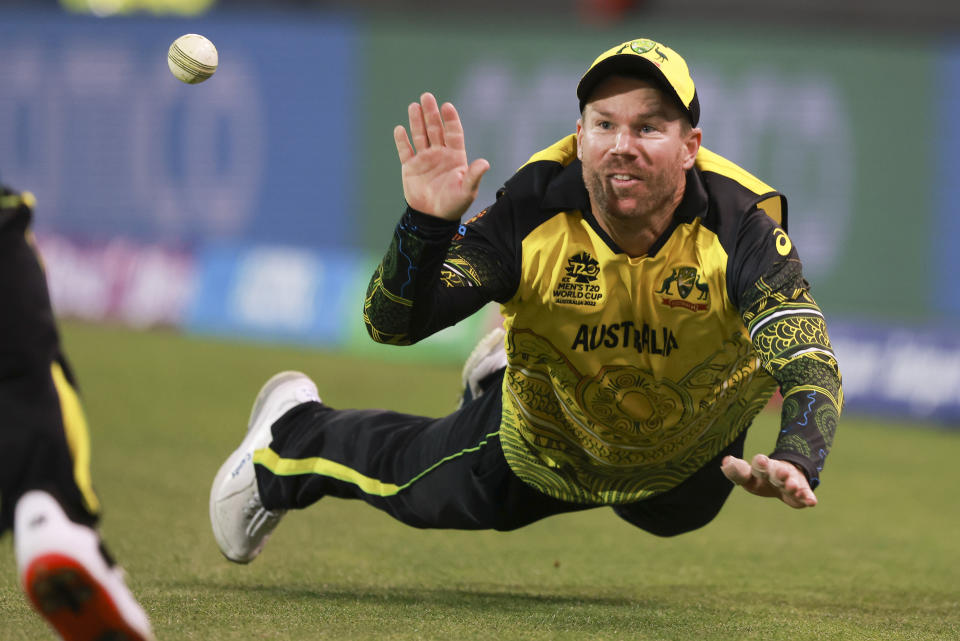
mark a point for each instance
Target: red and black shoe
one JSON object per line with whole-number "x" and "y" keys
{"x": 69, "y": 577}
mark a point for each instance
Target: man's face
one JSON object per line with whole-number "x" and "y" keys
{"x": 635, "y": 145}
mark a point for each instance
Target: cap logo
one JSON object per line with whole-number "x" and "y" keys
{"x": 660, "y": 63}
{"x": 642, "y": 46}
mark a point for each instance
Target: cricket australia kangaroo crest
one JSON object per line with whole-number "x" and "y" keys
{"x": 684, "y": 288}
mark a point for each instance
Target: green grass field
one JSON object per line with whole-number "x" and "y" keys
{"x": 879, "y": 558}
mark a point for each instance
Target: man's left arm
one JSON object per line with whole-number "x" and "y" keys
{"x": 789, "y": 333}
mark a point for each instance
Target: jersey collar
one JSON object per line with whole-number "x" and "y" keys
{"x": 567, "y": 192}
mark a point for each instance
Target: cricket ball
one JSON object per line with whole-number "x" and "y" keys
{"x": 192, "y": 58}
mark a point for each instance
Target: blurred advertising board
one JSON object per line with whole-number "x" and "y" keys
{"x": 119, "y": 280}
{"x": 93, "y": 122}
{"x": 945, "y": 236}
{"x": 275, "y": 293}
{"x": 900, "y": 371}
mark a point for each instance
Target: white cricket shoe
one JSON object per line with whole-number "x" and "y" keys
{"x": 68, "y": 577}
{"x": 241, "y": 525}
{"x": 487, "y": 357}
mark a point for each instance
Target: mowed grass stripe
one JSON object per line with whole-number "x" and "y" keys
{"x": 877, "y": 559}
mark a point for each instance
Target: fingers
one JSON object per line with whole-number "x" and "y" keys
{"x": 404, "y": 150}
{"x": 453, "y": 129}
{"x": 760, "y": 467}
{"x": 436, "y": 176}
{"x": 418, "y": 128}
{"x": 736, "y": 469}
{"x": 431, "y": 116}
{"x": 789, "y": 482}
{"x": 475, "y": 172}
{"x": 764, "y": 476}
{"x": 433, "y": 126}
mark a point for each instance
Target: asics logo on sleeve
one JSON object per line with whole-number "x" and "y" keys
{"x": 783, "y": 242}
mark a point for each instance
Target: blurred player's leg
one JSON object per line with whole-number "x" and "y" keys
{"x": 43, "y": 434}
{"x": 45, "y": 485}
{"x": 69, "y": 577}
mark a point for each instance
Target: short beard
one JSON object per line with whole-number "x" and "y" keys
{"x": 660, "y": 193}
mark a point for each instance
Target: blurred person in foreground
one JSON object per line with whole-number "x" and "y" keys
{"x": 45, "y": 484}
{"x": 653, "y": 303}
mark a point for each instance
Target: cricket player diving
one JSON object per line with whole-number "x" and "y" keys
{"x": 653, "y": 303}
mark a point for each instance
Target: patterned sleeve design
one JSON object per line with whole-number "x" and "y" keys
{"x": 387, "y": 306}
{"x": 790, "y": 335}
{"x": 428, "y": 281}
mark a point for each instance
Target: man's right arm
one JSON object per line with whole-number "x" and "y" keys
{"x": 427, "y": 281}
{"x": 432, "y": 277}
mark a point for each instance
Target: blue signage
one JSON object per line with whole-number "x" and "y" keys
{"x": 946, "y": 292}
{"x": 93, "y": 122}
{"x": 899, "y": 371}
{"x": 277, "y": 292}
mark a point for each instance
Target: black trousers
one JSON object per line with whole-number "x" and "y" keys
{"x": 446, "y": 472}
{"x": 34, "y": 449}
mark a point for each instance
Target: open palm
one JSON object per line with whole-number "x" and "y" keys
{"x": 437, "y": 179}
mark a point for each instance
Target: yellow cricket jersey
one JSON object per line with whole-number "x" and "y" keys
{"x": 625, "y": 375}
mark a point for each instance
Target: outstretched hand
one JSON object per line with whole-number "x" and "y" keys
{"x": 765, "y": 476}
{"x": 436, "y": 177}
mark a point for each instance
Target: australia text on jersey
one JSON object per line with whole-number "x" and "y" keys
{"x": 626, "y": 334}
